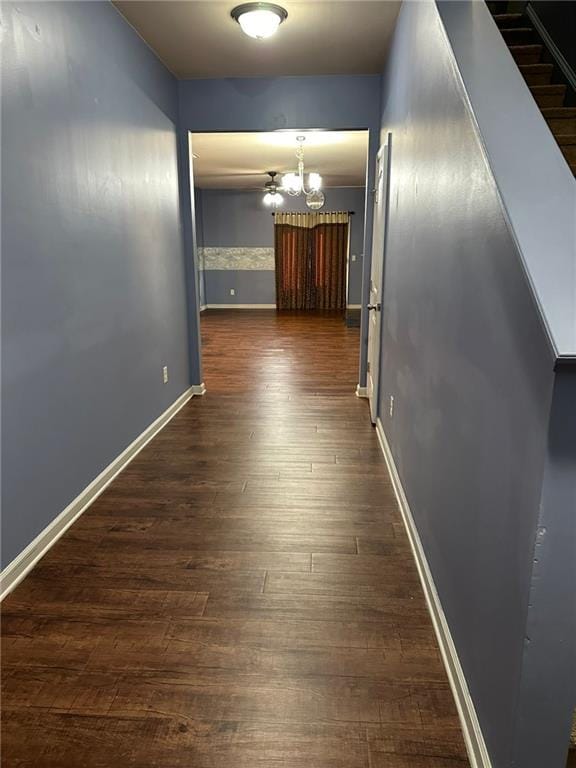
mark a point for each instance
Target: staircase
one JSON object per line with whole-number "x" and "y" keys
{"x": 542, "y": 76}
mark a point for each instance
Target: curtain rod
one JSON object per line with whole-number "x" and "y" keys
{"x": 350, "y": 213}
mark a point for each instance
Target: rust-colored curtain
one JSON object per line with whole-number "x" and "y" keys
{"x": 329, "y": 260}
{"x": 311, "y": 251}
{"x": 292, "y": 249}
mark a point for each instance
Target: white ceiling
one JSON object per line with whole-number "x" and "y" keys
{"x": 240, "y": 160}
{"x": 198, "y": 38}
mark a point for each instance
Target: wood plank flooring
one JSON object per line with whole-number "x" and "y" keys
{"x": 243, "y": 594}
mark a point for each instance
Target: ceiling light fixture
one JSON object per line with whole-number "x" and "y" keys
{"x": 272, "y": 198}
{"x": 259, "y": 20}
{"x": 294, "y": 183}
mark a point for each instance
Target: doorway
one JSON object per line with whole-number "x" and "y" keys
{"x": 242, "y": 241}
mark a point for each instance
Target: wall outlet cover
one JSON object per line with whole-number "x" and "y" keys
{"x": 232, "y": 292}
{"x": 165, "y": 374}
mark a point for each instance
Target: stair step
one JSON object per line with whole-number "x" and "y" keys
{"x": 549, "y": 95}
{"x": 566, "y": 112}
{"x": 561, "y": 127}
{"x": 497, "y": 7}
{"x": 526, "y": 54}
{"x": 507, "y": 20}
{"x": 569, "y": 152}
{"x": 561, "y": 120}
{"x": 518, "y": 35}
{"x": 537, "y": 74}
{"x": 567, "y": 139}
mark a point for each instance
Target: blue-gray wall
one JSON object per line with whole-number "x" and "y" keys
{"x": 336, "y": 102}
{"x": 93, "y": 273}
{"x": 238, "y": 219}
{"x": 251, "y": 286}
{"x": 467, "y": 355}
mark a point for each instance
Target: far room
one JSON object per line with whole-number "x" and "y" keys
{"x": 279, "y": 225}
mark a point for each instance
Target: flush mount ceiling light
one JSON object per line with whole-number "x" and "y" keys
{"x": 259, "y": 20}
{"x": 295, "y": 184}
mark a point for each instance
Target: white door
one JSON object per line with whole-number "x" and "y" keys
{"x": 375, "y": 303}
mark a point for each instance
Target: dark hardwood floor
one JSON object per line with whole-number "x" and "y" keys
{"x": 243, "y": 594}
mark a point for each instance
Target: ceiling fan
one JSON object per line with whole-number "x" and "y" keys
{"x": 272, "y": 198}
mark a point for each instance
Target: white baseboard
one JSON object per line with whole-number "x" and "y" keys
{"x": 27, "y": 559}
{"x": 475, "y": 744}
{"x": 198, "y": 389}
{"x": 203, "y": 307}
{"x": 361, "y": 391}
{"x": 354, "y": 306}
{"x": 240, "y": 306}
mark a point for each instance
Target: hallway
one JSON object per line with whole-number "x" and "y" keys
{"x": 243, "y": 593}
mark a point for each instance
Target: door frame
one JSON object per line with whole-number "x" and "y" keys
{"x": 186, "y": 181}
{"x": 384, "y": 154}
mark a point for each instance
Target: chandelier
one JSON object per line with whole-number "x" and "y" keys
{"x": 295, "y": 183}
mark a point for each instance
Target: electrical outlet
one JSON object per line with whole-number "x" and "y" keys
{"x": 165, "y": 374}
{"x": 232, "y": 292}
{"x": 353, "y": 257}
{"x": 391, "y": 409}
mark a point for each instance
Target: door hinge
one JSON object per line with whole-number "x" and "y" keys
{"x": 368, "y": 367}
